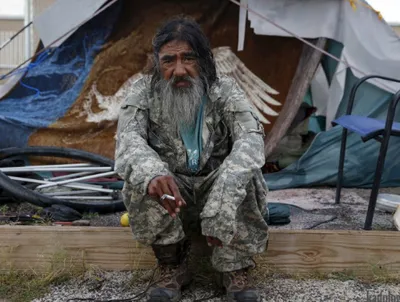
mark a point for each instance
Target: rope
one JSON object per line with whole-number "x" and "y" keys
{"x": 59, "y": 38}
{"x": 306, "y": 42}
{"x": 16, "y": 34}
{"x": 41, "y": 58}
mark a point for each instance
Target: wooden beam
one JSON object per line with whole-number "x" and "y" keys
{"x": 396, "y": 218}
{"x": 306, "y": 68}
{"x": 112, "y": 248}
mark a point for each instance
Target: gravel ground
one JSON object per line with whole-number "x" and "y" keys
{"x": 119, "y": 286}
{"x": 318, "y": 212}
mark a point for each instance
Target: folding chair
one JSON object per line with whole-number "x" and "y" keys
{"x": 368, "y": 128}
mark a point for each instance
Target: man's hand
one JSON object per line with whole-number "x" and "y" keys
{"x": 166, "y": 185}
{"x": 212, "y": 241}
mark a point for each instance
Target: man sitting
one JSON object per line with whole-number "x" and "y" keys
{"x": 186, "y": 133}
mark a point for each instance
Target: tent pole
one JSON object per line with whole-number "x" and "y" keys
{"x": 27, "y": 21}
{"x": 308, "y": 63}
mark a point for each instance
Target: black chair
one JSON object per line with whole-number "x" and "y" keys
{"x": 368, "y": 128}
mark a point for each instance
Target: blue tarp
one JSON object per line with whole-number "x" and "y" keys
{"x": 53, "y": 82}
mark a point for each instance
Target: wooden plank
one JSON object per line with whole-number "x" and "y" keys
{"x": 396, "y": 218}
{"x": 298, "y": 252}
{"x": 306, "y": 68}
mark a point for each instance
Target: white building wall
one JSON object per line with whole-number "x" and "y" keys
{"x": 11, "y": 54}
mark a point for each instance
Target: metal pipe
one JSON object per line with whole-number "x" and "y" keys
{"x": 70, "y": 175}
{"x": 52, "y": 184}
{"x": 68, "y": 192}
{"x": 85, "y": 197}
{"x": 358, "y": 84}
{"x": 72, "y": 169}
{"x": 339, "y": 184}
{"x": 27, "y": 22}
{"x": 74, "y": 186}
{"x": 88, "y": 185}
{"x": 53, "y": 166}
{"x": 381, "y": 161}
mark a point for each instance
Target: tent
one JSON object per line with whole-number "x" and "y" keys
{"x": 70, "y": 94}
{"x": 368, "y": 44}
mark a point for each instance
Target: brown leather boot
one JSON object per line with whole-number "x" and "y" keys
{"x": 238, "y": 287}
{"x": 173, "y": 272}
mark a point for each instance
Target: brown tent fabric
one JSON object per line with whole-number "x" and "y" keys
{"x": 273, "y": 59}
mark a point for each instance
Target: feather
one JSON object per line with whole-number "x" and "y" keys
{"x": 227, "y": 63}
{"x": 257, "y": 91}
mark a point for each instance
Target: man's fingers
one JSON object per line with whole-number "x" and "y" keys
{"x": 152, "y": 191}
{"x": 162, "y": 185}
{"x": 167, "y": 206}
{"x": 175, "y": 192}
{"x": 165, "y": 188}
{"x": 159, "y": 191}
{"x": 173, "y": 206}
{"x": 214, "y": 241}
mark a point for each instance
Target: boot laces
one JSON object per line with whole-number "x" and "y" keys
{"x": 167, "y": 271}
{"x": 240, "y": 278}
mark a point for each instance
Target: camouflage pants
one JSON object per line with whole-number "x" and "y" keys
{"x": 151, "y": 223}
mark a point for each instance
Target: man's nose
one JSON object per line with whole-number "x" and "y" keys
{"x": 180, "y": 70}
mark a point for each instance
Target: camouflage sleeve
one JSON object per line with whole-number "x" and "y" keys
{"x": 237, "y": 170}
{"x": 135, "y": 161}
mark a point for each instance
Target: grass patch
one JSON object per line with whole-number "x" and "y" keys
{"x": 373, "y": 274}
{"x": 24, "y": 287}
{"x": 90, "y": 215}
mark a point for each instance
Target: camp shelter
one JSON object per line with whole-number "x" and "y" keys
{"x": 359, "y": 37}
{"x": 70, "y": 94}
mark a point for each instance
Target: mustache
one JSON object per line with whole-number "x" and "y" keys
{"x": 176, "y": 79}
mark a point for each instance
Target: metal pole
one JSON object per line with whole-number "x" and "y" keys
{"x": 87, "y": 185}
{"x": 381, "y": 161}
{"x": 70, "y": 175}
{"x": 53, "y": 166}
{"x": 55, "y": 169}
{"x": 341, "y": 166}
{"x": 85, "y": 197}
{"x": 27, "y": 20}
{"x": 74, "y": 186}
{"x": 68, "y": 192}
{"x": 52, "y": 184}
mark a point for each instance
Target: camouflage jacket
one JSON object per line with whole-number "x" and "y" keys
{"x": 232, "y": 142}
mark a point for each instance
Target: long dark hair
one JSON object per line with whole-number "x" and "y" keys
{"x": 185, "y": 29}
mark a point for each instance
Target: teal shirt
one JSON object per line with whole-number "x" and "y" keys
{"x": 192, "y": 138}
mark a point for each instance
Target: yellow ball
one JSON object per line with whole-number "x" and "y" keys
{"x": 125, "y": 220}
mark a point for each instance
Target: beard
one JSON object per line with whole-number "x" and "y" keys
{"x": 180, "y": 105}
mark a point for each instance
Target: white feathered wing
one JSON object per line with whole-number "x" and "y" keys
{"x": 257, "y": 91}
{"x": 227, "y": 63}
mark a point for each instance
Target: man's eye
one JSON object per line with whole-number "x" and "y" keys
{"x": 190, "y": 59}
{"x": 167, "y": 63}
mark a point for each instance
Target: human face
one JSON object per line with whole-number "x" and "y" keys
{"x": 178, "y": 60}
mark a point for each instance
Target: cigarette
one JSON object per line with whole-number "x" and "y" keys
{"x": 166, "y": 196}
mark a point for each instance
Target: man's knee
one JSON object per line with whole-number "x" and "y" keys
{"x": 150, "y": 222}
{"x": 228, "y": 259}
